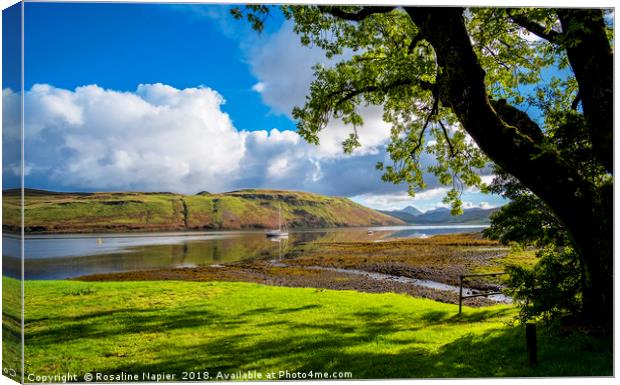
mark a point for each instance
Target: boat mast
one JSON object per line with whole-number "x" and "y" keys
{"x": 279, "y": 217}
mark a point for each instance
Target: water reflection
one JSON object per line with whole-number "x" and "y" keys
{"x": 68, "y": 256}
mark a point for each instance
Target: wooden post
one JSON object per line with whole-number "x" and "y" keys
{"x": 462, "y": 278}
{"x": 532, "y": 348}
{"x": 460, "y": 294}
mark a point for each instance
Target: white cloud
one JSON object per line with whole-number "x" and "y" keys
{"x": 431, "y": 193}
{"x": 155, "y": 138}
{"x": 11, "y": 110}
{"x": 258, "y": 87}
{"x": 529, "y": 36}
{"x": 159, "y": 138}
{"x": 284, "y": 69}
{"x": 212, "y": 13}
{"x": 373, "y": 135}
{"x": 480, "y": 205}
{"x": 423, "y": 200}
{"x": 11, "y": 138}
{"x": 429, "y": 199}
{"x": 487, "y": 179}
{"x": 385, "y": 201}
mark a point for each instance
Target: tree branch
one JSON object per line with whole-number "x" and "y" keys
{"x": 419, "y": 144}
{"x": 591, "y": 58}
{"x": 497, "y": 59}
{"x": 445, "y": 134}
{"x": 462, "y": 87}
{"x": 351, "y": 93}
{"x": 518, "y": 119}
{"x": 354, "y": 16}
{"x": 434, "y": 110}
{"x": 575, "y": 104}
{"x": 535, "y": 28}
{"x": 414, "y": 42}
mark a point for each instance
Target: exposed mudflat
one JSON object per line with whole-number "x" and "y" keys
{"x": 341, "y": 266}
{"x": 264, "y": 273}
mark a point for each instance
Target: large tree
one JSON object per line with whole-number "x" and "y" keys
{"x": 458, "y": 83}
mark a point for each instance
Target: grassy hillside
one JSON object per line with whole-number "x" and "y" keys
{"x": 246, "y": 209}
{"x": 171, "y": 327}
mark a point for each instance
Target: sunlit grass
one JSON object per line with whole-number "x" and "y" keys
{"x": 172, "y": 327}
{"x": 11, "y": 325}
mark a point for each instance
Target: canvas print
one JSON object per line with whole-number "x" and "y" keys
{"x": 226, "y": 192}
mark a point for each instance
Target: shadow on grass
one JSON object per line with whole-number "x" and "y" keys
{"x": 328, "y": 346}
{"x": 61, "y": 329}
{"x": 501, "y": 355}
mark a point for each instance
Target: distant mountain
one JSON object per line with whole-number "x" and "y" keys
{"x": 406, "y": 217}
{"x": 411, "y": 210}
{"x": 442, "y": 215}
{"x": 59, "y": 212}
{"x": 407, "y": 214}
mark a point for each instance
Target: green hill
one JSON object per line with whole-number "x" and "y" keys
{"x": 53, "y": 212}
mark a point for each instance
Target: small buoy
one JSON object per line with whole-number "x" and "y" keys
{"x": 99, "y": 241}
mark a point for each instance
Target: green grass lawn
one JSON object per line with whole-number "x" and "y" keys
{"x": 11, "y": 325}
{"x": 136, "y": 327}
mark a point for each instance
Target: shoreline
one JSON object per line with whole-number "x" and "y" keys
{"x": 440, "y": 259}
{"x": 266, "y": 274}
{"x": 130, "y": 232}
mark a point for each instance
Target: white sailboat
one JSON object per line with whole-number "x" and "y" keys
{"x": 279, "y": 233}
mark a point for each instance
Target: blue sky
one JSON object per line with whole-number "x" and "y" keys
{"x": 183, "y": 98}
{"x": 119, "y": 46}
{"x": 11, "y": 78}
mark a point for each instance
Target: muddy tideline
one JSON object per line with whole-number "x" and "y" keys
{"x": 442, "y": 258}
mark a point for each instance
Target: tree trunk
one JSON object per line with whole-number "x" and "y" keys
{"x": 592, "y": 61}
{"x": 591, "y": 227}
{"x": 584, "y": 210}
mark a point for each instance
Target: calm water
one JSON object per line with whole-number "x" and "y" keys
{"x": 69, "y": 256}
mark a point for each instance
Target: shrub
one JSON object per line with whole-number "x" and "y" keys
{"x": 552, "y": 289}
